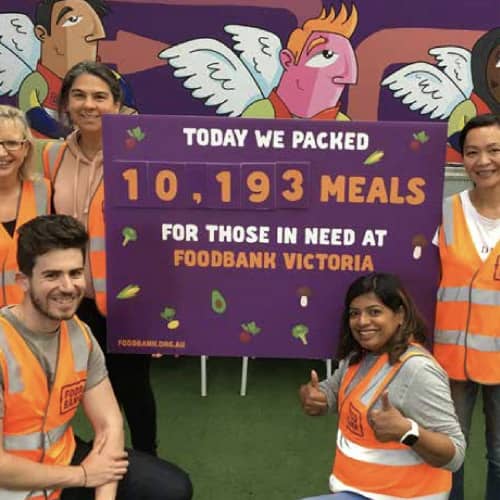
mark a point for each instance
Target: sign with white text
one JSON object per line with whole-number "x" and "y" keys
{"x": 240, "y": 237}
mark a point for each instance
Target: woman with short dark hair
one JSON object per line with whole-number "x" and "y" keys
{"x": 467, "y": 336}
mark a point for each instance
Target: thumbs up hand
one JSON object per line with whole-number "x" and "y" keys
{"x": 313, "y": 399}
{"x": 388, "y": 423}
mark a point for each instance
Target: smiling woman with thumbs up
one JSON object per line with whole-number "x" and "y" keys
{"x": 398, "y": 434}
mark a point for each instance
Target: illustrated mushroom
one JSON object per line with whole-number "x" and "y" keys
{"x": 418, "y": 242}
{"x": 304, "y": 292}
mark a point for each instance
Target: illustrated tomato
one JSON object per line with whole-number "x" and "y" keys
{"x": 130, "y": 143}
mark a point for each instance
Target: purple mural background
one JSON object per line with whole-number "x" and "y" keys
{"x": 137, "y": 30}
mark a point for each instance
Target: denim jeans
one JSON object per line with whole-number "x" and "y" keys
{"x": 464, "y": 395}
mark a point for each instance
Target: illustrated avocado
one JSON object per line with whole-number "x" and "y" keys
{"x": 218, "y": 302}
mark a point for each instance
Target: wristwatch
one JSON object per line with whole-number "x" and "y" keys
{"x": 411, "y": 437}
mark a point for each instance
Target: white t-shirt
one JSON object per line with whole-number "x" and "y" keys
{"x": 485, "y": 233}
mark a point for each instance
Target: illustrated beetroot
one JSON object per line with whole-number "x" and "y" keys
{"x": 135, "y": 135}
{"x": 414, "y": 145}
{"x": 245, "y": 337}
{"x": 130, "y": 143}
{"x": 419, "y": 138}
{"x": 248, "y": 331}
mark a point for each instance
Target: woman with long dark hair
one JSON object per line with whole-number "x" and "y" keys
{"x": 398, "y": 435}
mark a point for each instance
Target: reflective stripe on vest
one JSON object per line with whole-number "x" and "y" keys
{"x": 448, "y": 221}
{"x": 483, "y": 343}
{"x": 28, "y": 495}
{"x": 397, "y": 457}
{"x": 35, "y": 440}
{"x": 13, "y": 369}
{"x": 99, "y": 285}
{"x": 52, "y": 156}
{"x": 41, "y": 197}
{"x": 97, "y": 244}
{"x": 466, "y": 294}
{"x": 79, "y": 347}
{"x": 376, "y": 380}
{"x": 9, "y": 278}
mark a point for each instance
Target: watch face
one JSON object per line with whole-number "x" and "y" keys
{"x": 410, "y": 440}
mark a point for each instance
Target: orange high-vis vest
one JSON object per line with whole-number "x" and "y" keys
{"x": 364, "y": 465}
{"x": 36, "y": 422}
{"x": 35, "y": 200}
{"x": 52, "y": 157}
{"x": 467, "y": 328}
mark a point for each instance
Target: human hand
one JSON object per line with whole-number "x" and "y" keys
{"x": 388, "y": 423}
{"x": 103, "y": 467}
{"x": 313, "y": 399}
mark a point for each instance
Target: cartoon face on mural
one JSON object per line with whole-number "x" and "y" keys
{"x": 316, "y": 81}
{"x": 485, "y": 66}
{"x": 304, "y": 80}
{"x": 318, "y": 63}
{"x": 64, "y": 32}
{"x": 493, "y": 72}
{"x": 68, "y": 31}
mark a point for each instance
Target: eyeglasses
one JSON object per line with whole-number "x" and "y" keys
{"x": 12, "y": 145}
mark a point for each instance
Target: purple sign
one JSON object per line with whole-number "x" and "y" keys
{"x": 239, "y": 237}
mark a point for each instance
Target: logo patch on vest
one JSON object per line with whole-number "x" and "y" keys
{"x": 71, "y": 395}
{"x": 354, "y": 421}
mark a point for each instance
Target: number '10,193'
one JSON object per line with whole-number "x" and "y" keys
{"x": 257, "y": 183}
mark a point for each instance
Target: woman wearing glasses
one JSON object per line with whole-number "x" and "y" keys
{"x": 21, "y": 196}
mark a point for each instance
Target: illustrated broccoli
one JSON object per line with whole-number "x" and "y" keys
{"x": 300, "y": 332}
{"x": 168, "y": 313}
{"x": 129, "y": 234}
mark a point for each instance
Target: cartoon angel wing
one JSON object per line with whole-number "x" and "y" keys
{"x": 455, "y": 62}
{"x": 434, "y": 90}
{"x": 259, "y": 50}
{"x": 425, "y": 87}
{"x": 19, "y": 51}
{"x": 213, "y": 72}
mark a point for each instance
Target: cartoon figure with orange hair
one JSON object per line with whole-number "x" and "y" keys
{"x": 304, "y": 80}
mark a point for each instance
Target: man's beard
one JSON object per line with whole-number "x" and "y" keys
{"x": 43, "y": 309}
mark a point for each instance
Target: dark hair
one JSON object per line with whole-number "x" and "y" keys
{"x": 390, "y": 291}
{"x": 95, "y": 68}
{"x": 480, "y": 53}
{"x": 45, "y": 233}
{"x": 486, "y": 120}
{"x": 43, "y": 12}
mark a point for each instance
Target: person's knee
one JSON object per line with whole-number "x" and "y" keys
{"x": 184, "y": 487}
{"x": 175, "y": 485}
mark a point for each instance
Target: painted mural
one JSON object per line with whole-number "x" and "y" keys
{"x": 350, "y": 60}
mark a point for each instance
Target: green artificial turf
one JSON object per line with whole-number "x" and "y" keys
{"x": 260, "y": 446}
